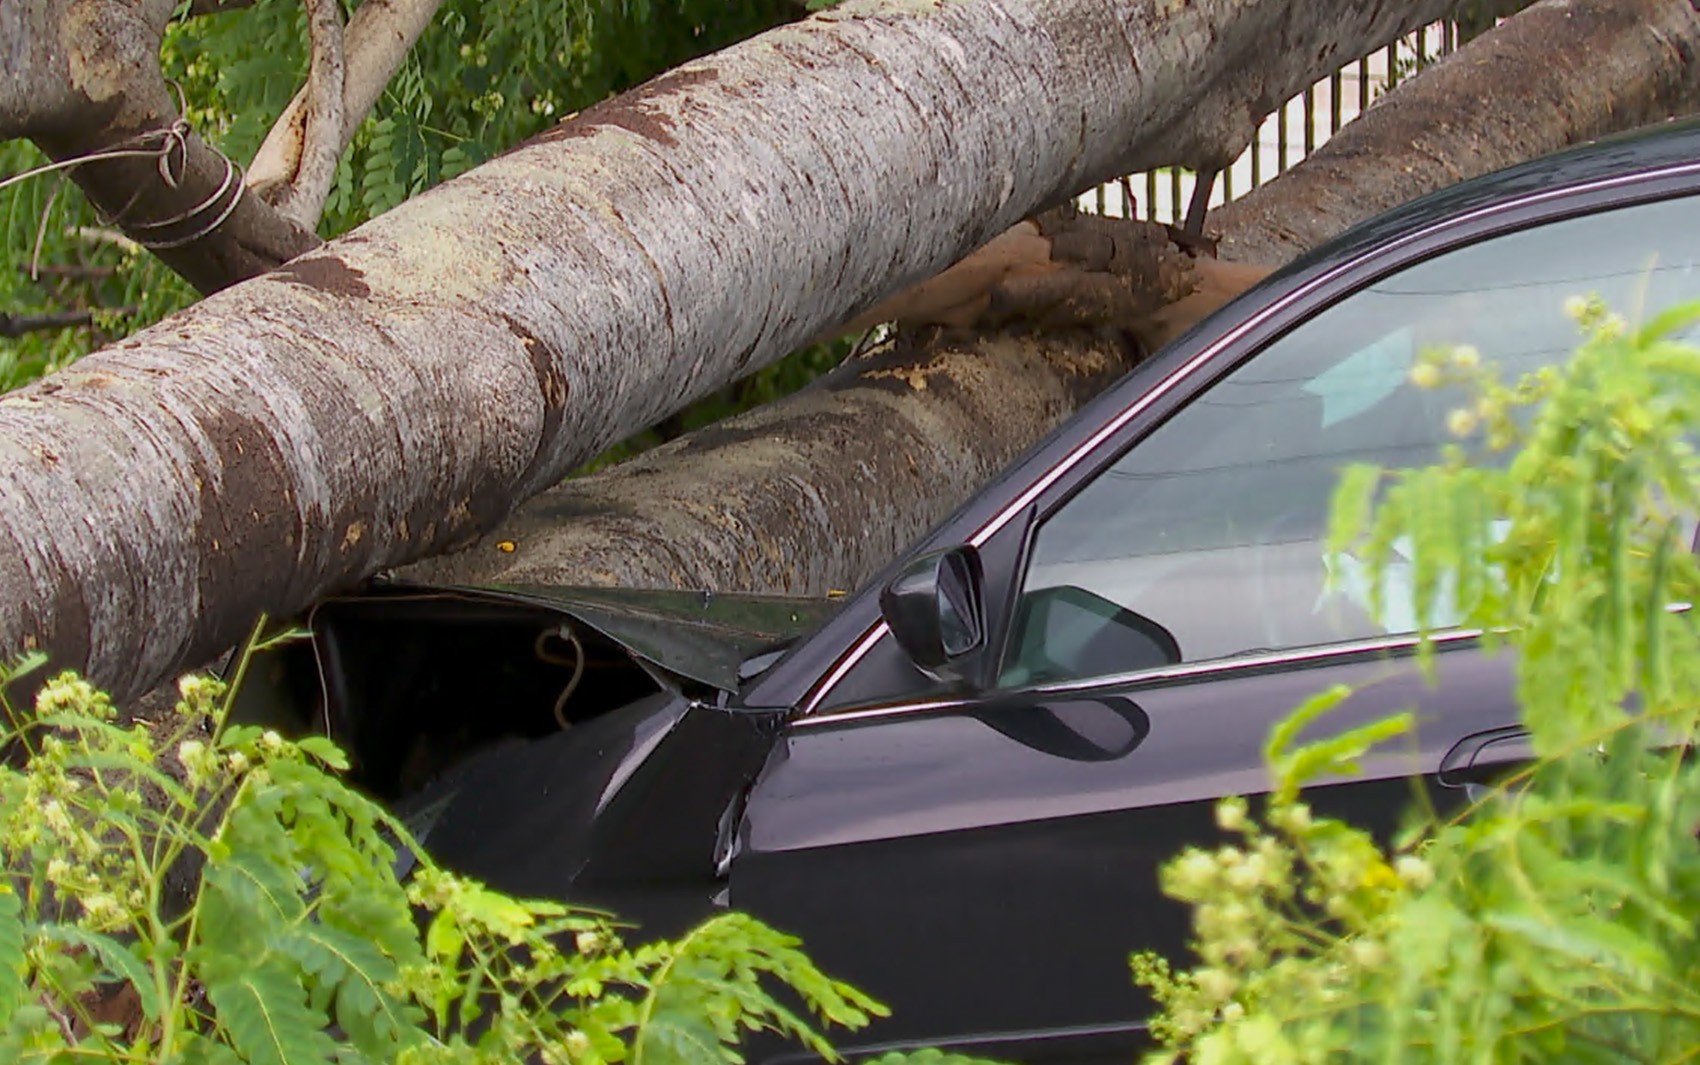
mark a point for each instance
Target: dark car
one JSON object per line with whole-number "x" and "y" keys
{"x": 958, "y": 785}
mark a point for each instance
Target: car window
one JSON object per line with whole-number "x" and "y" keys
{"x": 1205, "y": 540}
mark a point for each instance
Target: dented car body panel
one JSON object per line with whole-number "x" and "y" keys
{"x": 698, "y": 636}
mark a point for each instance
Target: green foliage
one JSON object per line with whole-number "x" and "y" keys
{"x": 299, "y": 944}
{"x": 1557, "y": 919}
{"x": 485, "y": 75}
{"x": 62, "y": 258}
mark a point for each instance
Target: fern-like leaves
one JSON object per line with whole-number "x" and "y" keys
{"x": 264, "y": 1009}
{"x": 11, "y": 951}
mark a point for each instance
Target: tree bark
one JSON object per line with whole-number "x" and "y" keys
{"x": 398, "y": 391}
{"x": 809, "y": 494}
{"x": 1575, "y": 71}
{"x": 822, "y": 489}
{"x": 315, "y": 132}
{"x": 378, "y": 37}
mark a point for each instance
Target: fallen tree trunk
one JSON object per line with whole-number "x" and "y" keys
{"x": 808, "y": 494}
{"x": 1554, "y": 75}
{"x": 396, "y": 392}
{"x": 821, "y": 490}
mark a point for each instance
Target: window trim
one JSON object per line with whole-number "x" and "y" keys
{"x": 1315, "y": 654}
{"x": 878, "y": 630}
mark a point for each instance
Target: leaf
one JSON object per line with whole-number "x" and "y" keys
{"x": 1350, "y": 511}
{"x": 1670, "y": 321}
{"x": 495, "y": 911}
{"x": 677, "y": 1037}
{"x": 264, "y": 1010}
{"x": 1339, "y": 754}
{"x": 1585, "y": 939}
{"x": 325, "y": 750}
{"x": 25, "y": 664}
{"x": 11, "y": 951}
{"x": 356, "y": 971}
{"x": 118, "y": 959}
{"x": 444, "y": 939}
{"x": 1287, "y": 730}
{"x": 200, "y": 1050}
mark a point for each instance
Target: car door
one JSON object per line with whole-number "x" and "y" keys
{"x": 984, "y": 860}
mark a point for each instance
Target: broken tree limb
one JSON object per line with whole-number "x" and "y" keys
{"x": 313, "y": 134}
{"x": 1421, "y": 135}
{"x": 376, "y": 40}
{"x": 820, "y": 490}
{"x": 1064, "y": 270}
{"x": 766, "y": 499}
{"x": 397, "y": 392}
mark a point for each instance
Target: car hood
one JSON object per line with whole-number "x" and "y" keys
{"x": 706, "y": 637}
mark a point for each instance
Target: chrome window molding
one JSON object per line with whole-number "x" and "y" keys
{"x": 1262, "y": 659}
{"x": 879, "y": 629}
{"x": 1180, "y": 671}
{"x": 875, "y": 712}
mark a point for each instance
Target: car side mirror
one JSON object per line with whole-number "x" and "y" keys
{"x": 1102, "y": 729}
{"x": 935, "y": 607}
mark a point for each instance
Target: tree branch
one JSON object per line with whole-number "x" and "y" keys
{"x": 396, "y": 393}
{"x": 70, "y": 270}
{"x": 17, "y": 325}
{"x": 1556, "y": 74}
{"x": 87, "y": 79}
{"x": 1064, "y": 270}
{"x": 376, "y": 40}
{"x": 308, "y": 147}
{"x": 201, "y": 224}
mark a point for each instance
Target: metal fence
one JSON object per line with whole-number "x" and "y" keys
{"x": 1285, "y": 137}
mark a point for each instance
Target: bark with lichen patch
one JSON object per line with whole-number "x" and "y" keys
{"x": 821, "y": 490}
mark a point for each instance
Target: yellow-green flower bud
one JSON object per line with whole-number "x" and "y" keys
{"x": 1425, "y": 375}
{"x": 1413, "y": 872}
{"x": 1231, "y": 814}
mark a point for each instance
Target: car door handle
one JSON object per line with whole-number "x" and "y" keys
{"x": 1476, "y": 757}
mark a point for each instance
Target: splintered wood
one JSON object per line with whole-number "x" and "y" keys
{"x": 1064, "y": 270}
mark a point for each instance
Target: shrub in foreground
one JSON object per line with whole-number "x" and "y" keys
{"x": 1558, "y": 919}
{"x": 300, "y": 944}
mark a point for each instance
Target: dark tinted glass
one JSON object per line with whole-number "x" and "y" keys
{"x": 1212, "y": 527}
